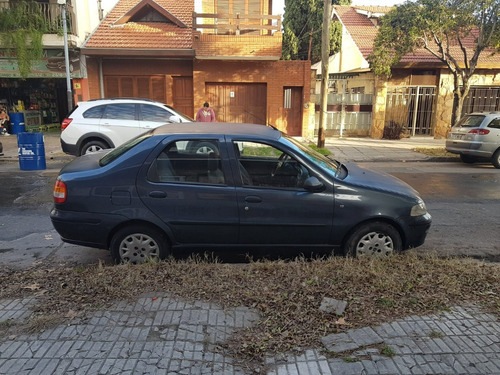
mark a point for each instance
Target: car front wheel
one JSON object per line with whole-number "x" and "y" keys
{"x": 93, "y": 146}
{"x": 375, "y": 240}
{"x": 496, "y": 159}
{"x": 137, "y": 244}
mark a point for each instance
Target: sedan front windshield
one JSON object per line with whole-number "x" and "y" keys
{"x": 330, "y": 165}
{"x": 120, "y": 150}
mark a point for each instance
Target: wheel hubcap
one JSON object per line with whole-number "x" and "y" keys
{"x": 375, "y": 245}
{"x": 93, "y": 149}
{"x": 138, "y": 247}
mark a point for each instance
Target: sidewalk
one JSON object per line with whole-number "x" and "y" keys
{"x": 345, "y": 149}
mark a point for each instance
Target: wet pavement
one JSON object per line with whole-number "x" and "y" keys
{"x": 161, "y": 334}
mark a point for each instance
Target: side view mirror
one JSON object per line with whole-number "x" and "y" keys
{"x": 174, "y": 118}
{"x": 313, "y": 185}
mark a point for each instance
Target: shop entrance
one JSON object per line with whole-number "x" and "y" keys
{"x": 42, "y": 101}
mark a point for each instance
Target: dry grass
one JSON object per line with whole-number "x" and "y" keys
{"x": 436, "y": 152}
{"x": 287, "y": 294}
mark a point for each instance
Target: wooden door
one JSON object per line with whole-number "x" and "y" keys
{"x": 292, "y": 110}
{"x": 238, "y": 102}
{"x": 182, "y": 92}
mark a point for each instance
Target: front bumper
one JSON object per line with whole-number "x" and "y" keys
{"x": 418, "y": 231}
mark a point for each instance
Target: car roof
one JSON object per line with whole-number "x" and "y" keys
{"x": 484, "y": 113}
{"x": 232, "y": 129}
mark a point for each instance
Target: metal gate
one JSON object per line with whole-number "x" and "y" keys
{"x": 482, "y": 99}
{"x": 412, "y": 108}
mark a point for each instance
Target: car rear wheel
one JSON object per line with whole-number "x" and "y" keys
{"x": 468, "y": 159}
{"x": 375, "y": 240}
{"x": 93, "y": 146}
{"x": 138, "y": 244}
{"x": 496, "y": 159}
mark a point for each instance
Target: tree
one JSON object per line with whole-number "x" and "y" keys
{"x": 21, "y": 30}
{"x": 300, "y": 18}
{"x": 456, "y": 32}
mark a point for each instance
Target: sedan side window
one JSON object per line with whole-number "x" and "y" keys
{"x": 495, "y": 123}
{"x": 263, "y": 165}
{"x": 154, "y": 113}
{"x": 182, "y": 162}
{"x": 122, "y": 111}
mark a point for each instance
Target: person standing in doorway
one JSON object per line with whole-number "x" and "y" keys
{"x": 5, "y": 125}
{"x": 205, "y": 114}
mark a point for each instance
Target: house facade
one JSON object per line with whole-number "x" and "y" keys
{"x": 41, "y": 98}
{"x": 186, "y": 53}
{"x": 418, "y": 96}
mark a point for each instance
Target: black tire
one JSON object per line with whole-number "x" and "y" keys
{"x": 376, "y": 239}
{"x": 468, "y": 159}
{"x": 137, "y": 244}
{"x": 496, "y": 159}
{"x": 92, "y": 146}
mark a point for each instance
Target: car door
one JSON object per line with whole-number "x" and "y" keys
{"x": 119, "y": 122}
{"x": 192, "y": 192}
{"x": 273, "y": 206}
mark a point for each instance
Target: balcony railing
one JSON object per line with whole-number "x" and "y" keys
{"x": 53, "y": 15}
{"x": 236, "y": 24}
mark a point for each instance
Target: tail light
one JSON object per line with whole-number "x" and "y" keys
{"x": 479, "y": 131}
{"x": 65, "y": 123}
{"x": 60, "y": 192}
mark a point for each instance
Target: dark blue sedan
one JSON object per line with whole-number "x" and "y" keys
{"x": 209, "y": 186}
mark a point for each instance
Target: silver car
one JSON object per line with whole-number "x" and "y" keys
{"x": 476, "y": 137}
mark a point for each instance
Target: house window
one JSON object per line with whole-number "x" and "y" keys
{"x": 287, "y": 98}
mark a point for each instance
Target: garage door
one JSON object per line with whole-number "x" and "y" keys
{"x": 238, "y": 102}
{"x": 149, "y": 87}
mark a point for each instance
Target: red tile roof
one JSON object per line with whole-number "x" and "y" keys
{"x": 145, "y": 35}
{"x": 363, "y": 32}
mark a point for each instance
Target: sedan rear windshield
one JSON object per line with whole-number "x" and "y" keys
{"x": 471, "y": 121}
{"x": 120, "y": 150}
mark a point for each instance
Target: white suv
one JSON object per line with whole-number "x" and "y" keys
{"x": 107, "y": 123}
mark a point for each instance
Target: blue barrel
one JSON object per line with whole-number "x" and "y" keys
{"x": 31, "y": 151}
{"x": 17, "y": 121}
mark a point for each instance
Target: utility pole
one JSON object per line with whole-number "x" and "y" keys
{"x": 69, "y": 92}
{"x": 325, "y": 56}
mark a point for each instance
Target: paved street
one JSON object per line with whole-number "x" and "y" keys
{"x": 160, "y": 334}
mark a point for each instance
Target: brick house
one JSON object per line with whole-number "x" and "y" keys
{"x": 418, "y": 95}
{"x": 223, "y": 52}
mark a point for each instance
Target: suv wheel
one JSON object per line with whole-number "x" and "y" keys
{"x": 93, "y": 146}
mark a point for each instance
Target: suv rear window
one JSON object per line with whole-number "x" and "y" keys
{"x": 94, "y": 112}
{"x": 471, "y": 121}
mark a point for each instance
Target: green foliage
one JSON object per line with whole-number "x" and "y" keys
{"x": 455, "y": 32}
{"x": 302, "y": 16}
{"x": 436, "y": 26}
{"x": 21, "y": 30}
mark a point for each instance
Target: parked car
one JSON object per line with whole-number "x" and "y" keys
{"x": 476, "y": 137}
{"x": 256, "y": 188}
{"x": 107, "y": 123}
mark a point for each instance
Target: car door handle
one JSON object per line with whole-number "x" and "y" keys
{"x": 253, "y": 199}
{"x": 157, "y": 194}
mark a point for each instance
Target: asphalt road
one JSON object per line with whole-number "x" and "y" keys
{"x": 464, "y": 201}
